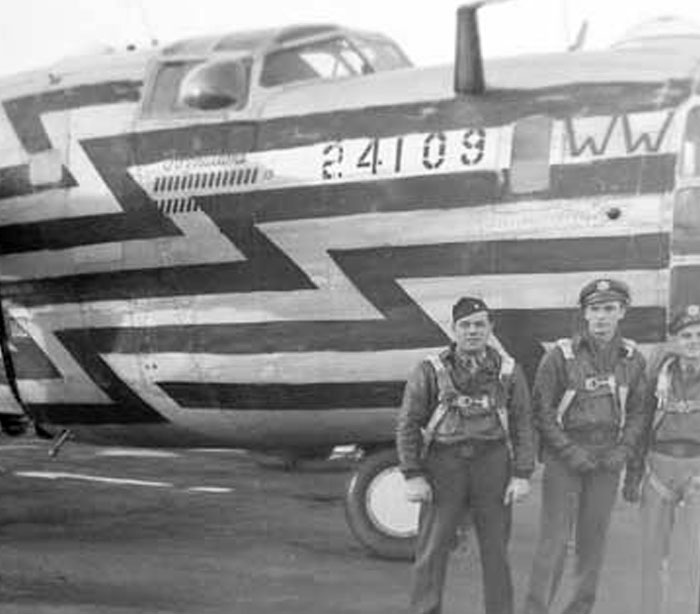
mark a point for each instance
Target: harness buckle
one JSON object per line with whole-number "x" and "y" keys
{"x": 596, "y": 382}
{"x": 468, "y": 403}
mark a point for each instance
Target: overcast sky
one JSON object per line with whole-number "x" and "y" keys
{"x": 38, "y": 32}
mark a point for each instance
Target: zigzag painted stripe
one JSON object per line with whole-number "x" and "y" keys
{"x": 202, "y": 242}
{"x": 368, "y": 268}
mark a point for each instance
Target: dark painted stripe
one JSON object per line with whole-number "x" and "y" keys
{"x": 398, "y": 331}
{"x": 497, "y": 107}
{"x": 29, "y": 360}
{"x": 354, "y": 395}
{"x": 637, "y": 175}
{"x": 268, "y": 268}
{"x": 64, "y": 233}
{"x": 75, "y": 413}
{"x": 25, "y": 115}
{"x": 25, "y": 112}
{"x": 521, "y": 331}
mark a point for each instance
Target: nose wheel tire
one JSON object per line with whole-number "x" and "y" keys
{"x": 377, "y": 511}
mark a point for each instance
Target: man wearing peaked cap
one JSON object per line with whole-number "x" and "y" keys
{"x": 602, "y": 290}
{"x": 588, "y": 400}
{"x": 669, "y": 458}
{"x": 465, "y": 445}
{"x": 684, "y": 317}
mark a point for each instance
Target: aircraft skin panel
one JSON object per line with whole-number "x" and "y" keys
{"x": 273, "y": 280}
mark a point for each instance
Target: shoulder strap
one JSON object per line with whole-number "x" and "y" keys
{"x": 505, "y": 378}
{"x": 445, "y": 387}
{"x": 622, "y": 383}
{"x": 567, "y": 349}
{"x": 663, "y": 390}
{"x": 630, "y": 347}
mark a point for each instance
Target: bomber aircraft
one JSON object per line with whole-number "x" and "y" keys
{"x": 249, "y": 239}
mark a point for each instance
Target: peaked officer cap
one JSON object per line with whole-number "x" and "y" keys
{"x": 687, "y": 315}
{"x": 466, "y": 306}
{"x": 603, "y": 290}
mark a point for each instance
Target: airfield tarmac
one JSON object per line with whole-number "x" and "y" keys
{"x": 106, "y": 530}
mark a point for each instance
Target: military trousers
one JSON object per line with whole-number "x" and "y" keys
{"x": 583, "y": 501}
{"x": 465, "y": 479}
{"x": 671, "y": 502}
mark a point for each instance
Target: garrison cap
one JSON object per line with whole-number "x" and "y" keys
{"x": 687, "y": 315}
{"x": 466, "y": 306}
{"x": 603, "y": 290}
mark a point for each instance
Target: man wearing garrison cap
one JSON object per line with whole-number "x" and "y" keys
{"x": 588, "y": 403}
{"x": 669, "y": 457}
{"x": 465, "y": 443}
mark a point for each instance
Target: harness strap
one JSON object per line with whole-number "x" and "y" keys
{"x": 663, "y": 392}
{"x": 505, "y": 376}
{"x": 567, "y": 398}
{"x": 445, "y": 385}
{"x": 446, "y": 388}
{"x": 620, "y": 390}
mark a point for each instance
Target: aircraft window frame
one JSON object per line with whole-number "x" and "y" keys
{"x": 279, "y": 65}
{"x": 689, "y": 166}
{"x": 164, "y": 92}
{"x": 380, "y": 53}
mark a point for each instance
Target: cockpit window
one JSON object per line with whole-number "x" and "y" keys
{"x": 215, "y": 85}
{"x": 381, "y": 54}
{"x": 330, "y": 59}
{"x": 690, "y": 158}
{"x": 185, "y": 86}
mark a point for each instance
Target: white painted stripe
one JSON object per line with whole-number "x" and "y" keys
{"x": 681, "y": 260}
{"x": 307, "y": 241}
{"x": 11, "y": 447}
{"x": 234, "y": 451}
{"x": 64, "y": 390}
{"x": 136, "y": 453}
{"x": 58, "y": 475}
{"x": 436, "y": 295}
{"x": 290, "y": 368}
{"x": 337, "y": 162}
{"x": 210, "y": 489}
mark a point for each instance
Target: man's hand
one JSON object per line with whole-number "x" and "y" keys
{"x": 418, "y": 490}
{"x": 517, "y": 490}
{"x": 631, "y": 488}
{"x": 615, "y": 459}
{"x": 580, "y": 460}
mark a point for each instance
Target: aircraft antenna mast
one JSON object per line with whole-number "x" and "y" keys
{"x": 469, "y": 65}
